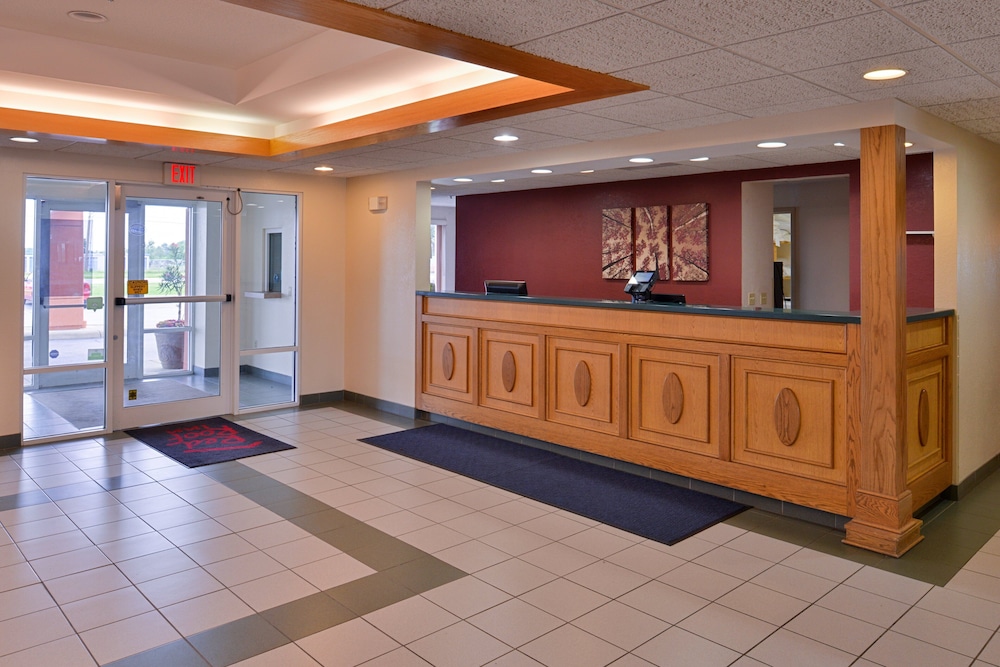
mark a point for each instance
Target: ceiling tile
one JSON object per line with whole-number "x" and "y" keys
{"x": 967, "y": 109}
{"x": 983, "y": 54}
{"x": 660, "y": 110}
{"x": 44, "y": 143}
{"x": 954, "y": 20}
{"x": 588, "y": 107}
{"x": 722, "y": 22}
{"x": 776, "y": 90}
{"x": 843, "y": 41}
{"x": 613, "y": 44}
{"x": 810, "y": 104}
{"x": 401, "y": 155}
{"x": 697, "y": 121}
{"x": 982, "y": 125}
{"x": 633, "y": 131}
{"x": 698, "y": 71}
{"x": 525, "y": 138}
{"x": 937, "y": 92}
{"x": 576, "y": 126}
{"x": 922, "y": 65}
{"x": 733, "y": 163}
{"x": 160, "y": 155}
{"x": 504, "y": 21}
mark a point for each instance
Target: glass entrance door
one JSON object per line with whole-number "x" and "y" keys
{"x": 173, "y": 311}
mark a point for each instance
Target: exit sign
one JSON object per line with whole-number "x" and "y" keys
{"x": 181, "y": 174}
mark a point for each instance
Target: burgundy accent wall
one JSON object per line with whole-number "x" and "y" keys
{"x": 551, "y": 238}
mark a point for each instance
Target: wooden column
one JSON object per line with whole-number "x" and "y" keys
{"x": 883, "y": 520}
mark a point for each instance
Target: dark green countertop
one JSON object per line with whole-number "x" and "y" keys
{"x": 833, "y": 317}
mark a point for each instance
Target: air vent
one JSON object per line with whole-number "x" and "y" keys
{"x": 87, "y": 17}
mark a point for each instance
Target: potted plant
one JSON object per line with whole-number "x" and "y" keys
{"x": 170, "y": 344}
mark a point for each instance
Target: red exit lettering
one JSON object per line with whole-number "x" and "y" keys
{"x": 180, "y": 174}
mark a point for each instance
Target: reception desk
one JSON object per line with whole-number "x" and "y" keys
{"x": 768, "y": 402}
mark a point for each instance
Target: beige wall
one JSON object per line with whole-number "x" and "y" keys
{"x": 322, "y": 276}
{"x": 388, "y": 260}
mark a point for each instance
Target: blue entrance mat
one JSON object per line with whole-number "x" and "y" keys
{"x": 639, "y": 505}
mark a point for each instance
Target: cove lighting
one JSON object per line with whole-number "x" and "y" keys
{"x": 24, "y": 140}
{"x": 323, "y": 168}
{"x": 699, "y": 159}
{"x": 505, "y": 137}
{"x": 541, "y": 171}
{"x": 462, "y": 180}
{"x": 884, "y": 74}
{"x": 641, "y": 160}
{"x": 771, "y": 144}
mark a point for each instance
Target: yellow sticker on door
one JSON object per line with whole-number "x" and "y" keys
{"x": 138, "y": 287}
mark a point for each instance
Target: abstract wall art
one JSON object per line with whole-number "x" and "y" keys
{"x": 673, "y": 238}
{"x": 652, "y": 226}
{"x": 689, "y": 237}
{"x": 616, "y": 243}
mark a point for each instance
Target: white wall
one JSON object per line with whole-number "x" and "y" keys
{"x": 758, "y": 242}
{"x": 322, "y": 268}
{"x": 820, "y": 241}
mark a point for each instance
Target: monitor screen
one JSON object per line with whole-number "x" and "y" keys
{"x": 641, "y": 282}
{"x": 518, "y": 287}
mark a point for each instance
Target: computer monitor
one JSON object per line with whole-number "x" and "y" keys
{"x": 640, "y": 285}
{"x": 518, "y": 287}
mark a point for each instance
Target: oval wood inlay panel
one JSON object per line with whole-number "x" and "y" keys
{"x": 581, "y": 383}
{"x": 508, "y": 371}
{"x": 673, "y": 398}
{"x": 924, "y": 417}
{"x": 448, "y": 361}
{"x": 787, "y": 417}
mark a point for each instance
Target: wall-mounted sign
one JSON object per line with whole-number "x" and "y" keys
{"x": 136, "y": 287}
{"x": 181, "y": 174}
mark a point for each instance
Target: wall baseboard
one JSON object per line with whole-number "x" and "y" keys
{"x": 10, "y": 443}
{"x": 397, "y": 409}
{"x": 963, "y": 488}
{"x": 322, "y": 397}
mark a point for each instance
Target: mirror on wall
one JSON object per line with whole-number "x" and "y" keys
{"x": 783, "y": 227}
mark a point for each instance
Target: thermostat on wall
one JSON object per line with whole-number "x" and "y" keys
{"x": 376, "y": 204}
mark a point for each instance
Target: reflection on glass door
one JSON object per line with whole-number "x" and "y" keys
{"x": 268, "y": 310}
{"x": 65, "y": 250}
{"x": 173, "y": 305}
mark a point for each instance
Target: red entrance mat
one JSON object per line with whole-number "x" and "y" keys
{"x": 207, "y": 441}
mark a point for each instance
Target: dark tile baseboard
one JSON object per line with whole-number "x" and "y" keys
{"x": 10, "y": 443}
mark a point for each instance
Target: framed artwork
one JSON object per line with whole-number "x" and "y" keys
{"x": 616, "y": 243}
{"x": 652, "y": 240}
{"x": 689, "y": 240}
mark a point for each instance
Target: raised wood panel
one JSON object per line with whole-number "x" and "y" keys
{"x": 509, "y": 368}
{"x": 674, "y": 399}
{"x": 926, "y": 334}
{"x": 925, "y": 436}
{"x": 790, "y": 418}
{"x": 689, "y": 326}
{"x": 447, "y": 370}
{"x": 582, "y": 384}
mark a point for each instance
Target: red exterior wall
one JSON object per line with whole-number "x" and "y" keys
{"x": 552, "y": 238}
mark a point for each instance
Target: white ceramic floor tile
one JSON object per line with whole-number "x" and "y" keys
{"x": 680, "y": 648}
{"x": 821, "y": 564}
{"x": 569, "y": 646}
{"x": 333, "y": 571}
{"x": 788, "y": 649}
{"x": 558, "y": 558}
{"x": 274, "y": 590}
{"x": 127, "y": 637}
{"x": 962, "y": 607}
{"x": 795, "y": 583}
{"x": 466, "y": 597}
{"x": 411, "y": 619}
{"x": 597, "y": 542}
{"x": 621, "y": 625}
{"x": 65, "y": 652}
{"x": 864, "y": 606}
{"x": 702, "y": 581}
{"x": 733, "y": 563}
{"x": 888, "y": 584}
{"x": 727, "y": 627}
{"x": 763, "y": 603}
{"x": 943, "y": 631}
{"x": 107, "y": 608}
{"x": 207, "y": 611}
{"x": 235, "y": 571}
{"x": 179, "y": 586}
{"x": 607, "y": 578}
{"x": 24, "y": 600}
{"x": 300, "y": 552}
{"x": 664, "y": 602}
{"x": 836, "y": 630}
{"x": 515, "y": 622}
{"x": 515, "y": 576}
{"x": 896, "y": 650}
{"x": 472, "y": 556}
{"x": 646, "y": 560}
{"x": 459, "y": 645}
{"x": 564, "y": 599}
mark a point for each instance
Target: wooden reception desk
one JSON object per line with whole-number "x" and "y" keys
{"x": 768, "y": 402}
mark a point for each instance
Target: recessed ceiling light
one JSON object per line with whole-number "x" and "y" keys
{"x": 88, "y": 17}
{"x": 433, "y": 188}
{"x": 699, "y": 159}
{"x": 24, "y": 140}
{"x": 641, "y": 160}
{"x": 587, "y": 171}
{"x": 499, "y": 180}
{"x": 884, "y": 74}
{"x": 907, "y": 144}
{"x": 541, "y": 171}
{"x": 771, "y": 144}
{"x": 839, "y": 144}
{"x": 462, "y": 180}
{"x": 505, "y": 137}
{"x": 323, "y": 168}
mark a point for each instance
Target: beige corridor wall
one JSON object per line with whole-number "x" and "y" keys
{"x": 322, "y": 239}
{"x": 388, "y": 260}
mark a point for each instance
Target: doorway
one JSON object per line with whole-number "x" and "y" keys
{"x": 172, "y": 317}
